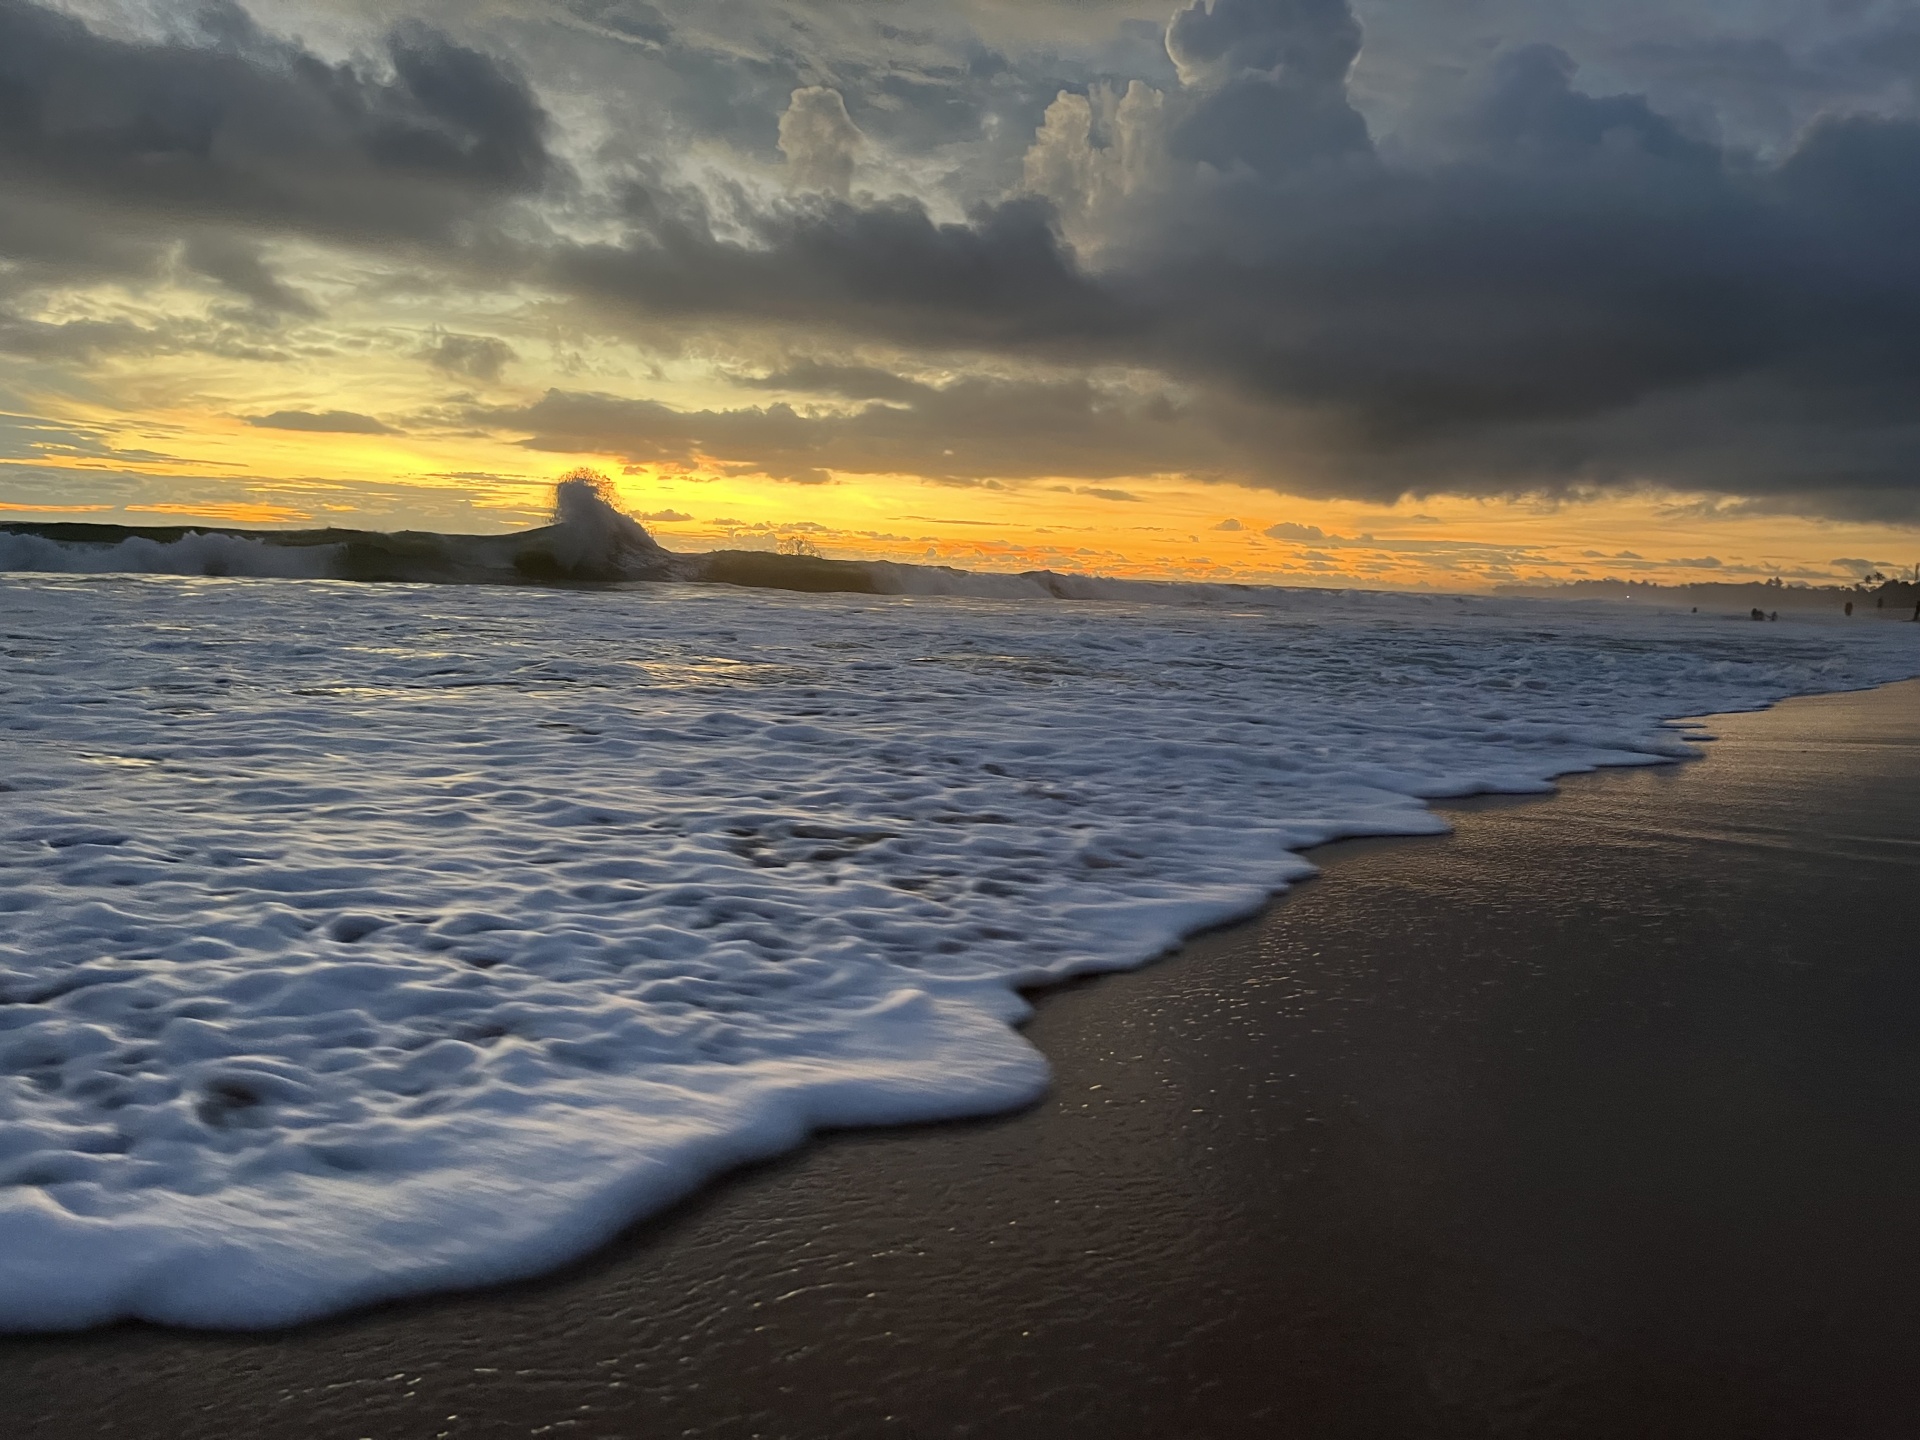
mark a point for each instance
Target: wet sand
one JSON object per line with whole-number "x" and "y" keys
{"x": 1600, "y": 1117}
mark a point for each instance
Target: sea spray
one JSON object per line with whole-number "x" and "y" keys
{"x": 588, "y": 540}
{"x": 209, "y": 553}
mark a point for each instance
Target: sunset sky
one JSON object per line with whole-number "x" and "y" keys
{"x": 1395, "y": 293}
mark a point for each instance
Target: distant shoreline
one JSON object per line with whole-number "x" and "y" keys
{"x": 1885, "y": 599}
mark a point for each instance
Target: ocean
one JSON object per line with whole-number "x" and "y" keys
{"x": 361, "y": 940}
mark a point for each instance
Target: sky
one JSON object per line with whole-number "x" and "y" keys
{"x": 1378, "y": 292}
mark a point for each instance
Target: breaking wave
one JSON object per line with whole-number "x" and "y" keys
{"x": 137, "y": 552}
{"x": 589, "y": 541}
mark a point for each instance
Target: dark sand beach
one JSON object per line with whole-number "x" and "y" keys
{"x": 1600, "y": 1117}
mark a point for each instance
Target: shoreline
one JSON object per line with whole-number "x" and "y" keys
{"x": 677, "y": 1298}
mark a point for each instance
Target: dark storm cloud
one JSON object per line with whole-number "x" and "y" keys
{"x": 1268, "y": 81}
{"x": 1581, "y": 293}
{"x": 1592, "y": 298}
{"x": 1753, "y": 73}
{"x": 229, "y": 127}
{"x": 1003, "y": 278}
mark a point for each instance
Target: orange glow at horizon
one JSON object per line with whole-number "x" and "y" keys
{"x": 1152, "y": 527}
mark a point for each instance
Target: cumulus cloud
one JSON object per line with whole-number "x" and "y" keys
{"x": 1306, "y": 43}
{"x": 1297, "y": 534}
{"x": 820, "y": 140}
{"x": 1268, "y": 81}
{"x": 1095, "y": 155}
{"x": 1578, "y": 293}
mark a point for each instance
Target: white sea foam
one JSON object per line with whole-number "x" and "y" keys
{"x": 195, "y": 553}
{"x": 364, "y": 940}
{"x": 891, "y": 578}
{"x": 591, "y": 533}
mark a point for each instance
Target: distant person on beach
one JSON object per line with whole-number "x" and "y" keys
{"x": 1849, "y": 609}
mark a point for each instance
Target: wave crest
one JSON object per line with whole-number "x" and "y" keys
{"x": 589, "y": 539}
{"x": 193, "y": 553}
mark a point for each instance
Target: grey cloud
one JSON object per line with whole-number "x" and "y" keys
{"x": 48, "y": 243}
{"x": 1584, "y": 297}
{"x": 84, "y": 341}
{"x": 476, "y": 357}
{"x": 971, "y": 431}
{"x": 238, "y": 265}
{"x": 1268, "y": 82}
{"x": 330, "y": 422}
{"x": 238, "y": 128}
{"x": 71, "y": 339}
{"x": 1307, "y": 43}
{"x": 1003, "y": 279}
{"x": 1749, "y": 72}
{"x": 855, "y": 382}
{"x": 915, "y": 76}
{"x": 1532, "y": 107}
{"x": 1581, "y": 294}
{"x": 628, "y": 20}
